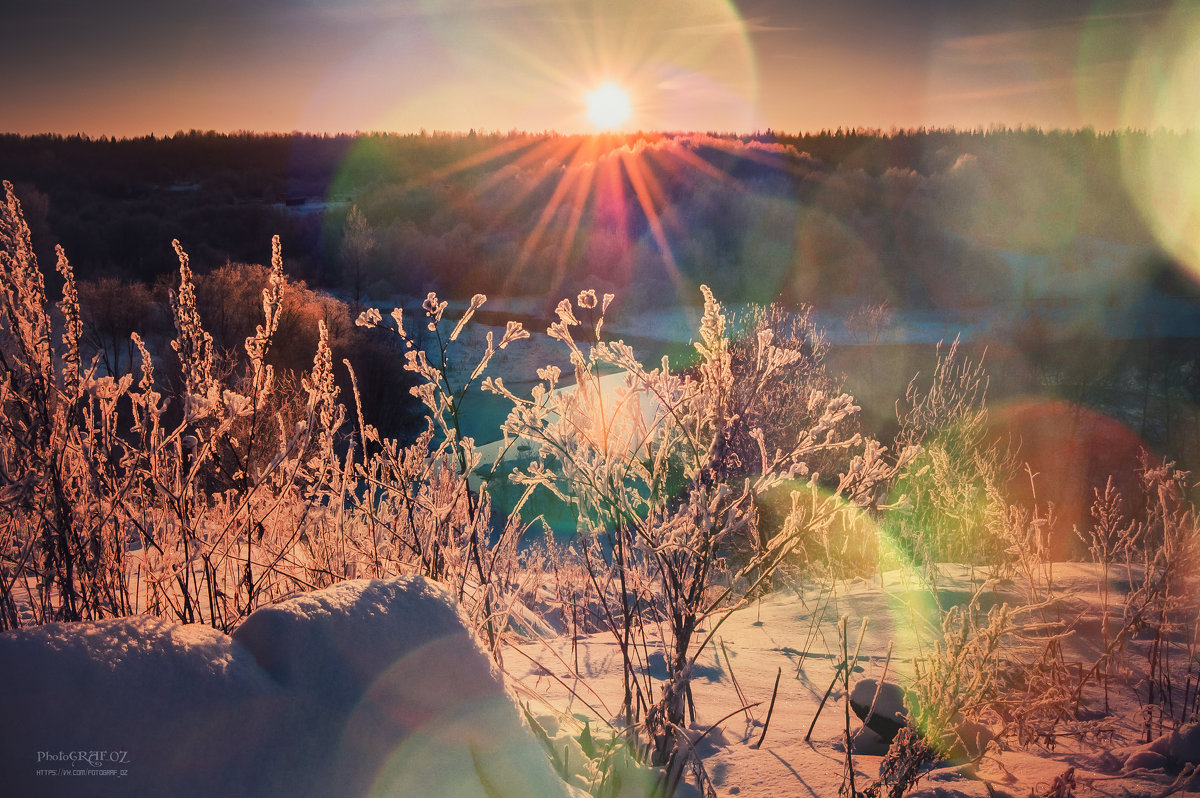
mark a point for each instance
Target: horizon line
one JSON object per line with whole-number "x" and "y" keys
{"x": 767, "y": 132}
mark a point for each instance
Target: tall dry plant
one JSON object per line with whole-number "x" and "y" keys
{"x": 644, "y": 458}
{"x": 63, "y": 544}
{"x": 957, "y": 679}
{"x": 226, "y": 490}
{"x": 120, "y": 498}
{"x": 953, "y": 489}
{"x": 1162, "y": 605}
{"x": 1149, "y": 635}
{"x": 417, "y": 509}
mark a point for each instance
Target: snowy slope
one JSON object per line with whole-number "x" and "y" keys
{"x": 794, "y": 634}
{"x": 365, "y": 688}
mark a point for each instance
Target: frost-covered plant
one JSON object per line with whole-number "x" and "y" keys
{"x": 225, "y": 484}
{"x": 1161, "y": 604}
{"x": 63, "y": 544}
{"x": 902, "y": 767}
{"x": 418, "y": 507}
{"x": 782, "y": 410}
{"x": 643, "y": 456}
{"x": 956, "y": 680}
{"x": 119, "y": 498}
{"x": 954, "y": 507}
{"x": 600, "y": 763}
{"x": 867, "y": 323}
{"x": 228, "y": 488}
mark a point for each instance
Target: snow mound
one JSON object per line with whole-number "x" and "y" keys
{"x": 1170, "y": 752}
{"x": 365, "y": 688}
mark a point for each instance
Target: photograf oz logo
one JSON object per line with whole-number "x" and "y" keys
{"x": 83, "y": 763}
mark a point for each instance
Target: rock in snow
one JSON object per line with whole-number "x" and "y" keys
{"x": 884, "y": 711}
{"x": 885, "y": 705}
{"x": 365, "y": 688}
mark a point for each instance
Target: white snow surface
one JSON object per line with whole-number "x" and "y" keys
{"x": 364, "y": 688}
{"x": 376, "y": 688}
{"x": 794, "y": 634}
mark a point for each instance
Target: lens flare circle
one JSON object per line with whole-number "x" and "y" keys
{"x": 689, "y": 64}
{"x": 1162, "y": 167}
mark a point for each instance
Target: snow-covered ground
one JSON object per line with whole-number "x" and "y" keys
{"x": 365, "y": 688}
{"x": 376, "y": 688}
{"x": 778, "y": 635}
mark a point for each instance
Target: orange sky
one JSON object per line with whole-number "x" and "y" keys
{"x": 131, "y": 67}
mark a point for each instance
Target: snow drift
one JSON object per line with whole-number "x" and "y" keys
{"x": 365, "y": 688}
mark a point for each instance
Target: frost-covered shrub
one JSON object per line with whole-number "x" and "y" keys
{"x": 124, "y": 495}
{"x": 647, "y": 462}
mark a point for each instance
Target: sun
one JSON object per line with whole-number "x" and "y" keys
{"x": 608, "y": 106}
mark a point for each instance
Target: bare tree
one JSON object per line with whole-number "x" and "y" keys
{"x": 358, "y": 245}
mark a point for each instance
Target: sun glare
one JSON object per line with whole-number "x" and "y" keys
{"x": 608, "y": 106}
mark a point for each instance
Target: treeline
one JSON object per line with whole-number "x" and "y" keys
{"x": 917, "y": 218}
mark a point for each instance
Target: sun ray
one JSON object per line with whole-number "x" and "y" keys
{"x": 607, "y": 198}
{"x": 552, "y": 206}
{"x": 638, "y": 179}
{"x": 691, "y": 159}
{"x": 582, "y": 192}
{"x": 542, "y": 161}
{"x": 486, "y": 156}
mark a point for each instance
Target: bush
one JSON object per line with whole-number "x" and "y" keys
{"x": 115, "y": 505}
{"x": 663, "y": 497}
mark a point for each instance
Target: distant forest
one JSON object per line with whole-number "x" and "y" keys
{"x": 1035, "y": 229}
{"x": 919, "y": 218}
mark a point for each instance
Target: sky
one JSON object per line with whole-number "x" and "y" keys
{"x": 135, "y": 67}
